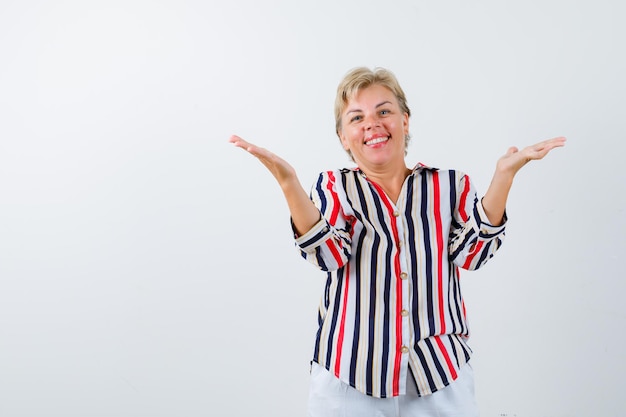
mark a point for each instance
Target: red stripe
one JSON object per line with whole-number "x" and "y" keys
{"x": 466, "y": 189}
{"x": 342, "y": 323}
{"x": 397, "y": 270}
{"x": 444, "y": 352}
{"x": 329, "y": 186}
{"x": 332, "y": 246}
{"x": 333, "y": 217}
{"x": 439, "y": 237}
{"x": 335, "y": 251}
{"x": 396, "y": 369}
{"x": 475, "y": 251}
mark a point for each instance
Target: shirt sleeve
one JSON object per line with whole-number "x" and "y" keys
{"x": 473, "y": 240}
{"x": 327, "y": 244}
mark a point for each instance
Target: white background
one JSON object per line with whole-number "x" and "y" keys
{"x": 147, "y": 267}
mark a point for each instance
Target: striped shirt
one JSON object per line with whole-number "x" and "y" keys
{"x": 392, "y": 299}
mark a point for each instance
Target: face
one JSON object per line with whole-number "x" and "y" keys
{"x": 373, "y": 128}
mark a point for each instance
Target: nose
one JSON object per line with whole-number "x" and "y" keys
{"x": 371, "y": 121}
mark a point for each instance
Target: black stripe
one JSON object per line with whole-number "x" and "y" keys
{"x": 335, "y": 316}
{"x": 452, "y": 179}
{"x": 424, "y": 363}
{"x": 380, "y": 212}
{"x": 413, "y": 245}
{"x": 468, "y": 239}
{"x": 428, "y": 255}
{"x": 320, "y": 319}
{"x": 357, "y": 315}
{"x": 433, "y": 354}
{"x": 316, "y": 238}
{"x": 320, "y": 259}
{"x": 454, "y": 293}
{"x": 320, "y": 191}
{"x": 483, "y": 254}
{"x": 456, "y": 355}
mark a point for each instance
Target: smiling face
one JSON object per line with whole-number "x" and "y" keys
{"x": 373, "y": 128}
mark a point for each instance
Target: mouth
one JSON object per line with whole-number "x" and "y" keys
{"x": 377, "y": 140}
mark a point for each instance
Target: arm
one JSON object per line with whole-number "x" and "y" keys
{"x": 494, "y": 201}
{"x": 304, "y": 214}
{"x": 473, "y": 240}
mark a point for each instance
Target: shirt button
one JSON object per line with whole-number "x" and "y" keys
{"x": 396, "y": 213}
{"x": 404, "y": 275}
{"x": 405, "y": 349}
{"x": 404, "y": 313}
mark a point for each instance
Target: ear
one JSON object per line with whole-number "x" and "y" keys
{"x": 343, "y": 140}
{"x": 405, "y": 124}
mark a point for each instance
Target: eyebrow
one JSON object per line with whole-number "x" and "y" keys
{"x": 377, "y": 106}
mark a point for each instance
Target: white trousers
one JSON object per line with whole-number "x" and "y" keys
{"x": 329, "y": 397}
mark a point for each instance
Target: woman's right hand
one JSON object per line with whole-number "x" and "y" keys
{"x": 304, "y": 214}
{"x": 280, "y": 169}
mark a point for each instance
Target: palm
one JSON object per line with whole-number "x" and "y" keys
{"x": 515, "y": 159}
{"x": 279, "y": 168}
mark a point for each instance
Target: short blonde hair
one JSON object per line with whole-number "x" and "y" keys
{"x": 360, "y": 78}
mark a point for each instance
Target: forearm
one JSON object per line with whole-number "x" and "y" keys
{"x": 494, "y": 201}
{"x": 304, "y": 214}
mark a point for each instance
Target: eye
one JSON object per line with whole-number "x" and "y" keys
{"x": 384, "y": 112}
{"x": 356, "y": 118}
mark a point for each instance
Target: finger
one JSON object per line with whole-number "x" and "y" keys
{"x": 552, "y": 143}
{"x": 555, "y": 143}
{"x": 237, "y": 141}
{"x": 261, "y": 153}
{"x": 559, "y": 139}
{"x": 512, "y": 150}
{"x": 542, "y": 152}
{"x": 558, "y": 142}
{"x": 245, "y": 145}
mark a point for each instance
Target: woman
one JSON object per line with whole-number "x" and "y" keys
{"x": 392, "y": 336}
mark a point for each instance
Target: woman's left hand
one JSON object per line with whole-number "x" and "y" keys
{"x": 514, "y": 159}
{"x": 494, "y": 201}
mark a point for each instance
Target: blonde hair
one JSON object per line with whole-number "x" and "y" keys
{"x": 360, "y": 78}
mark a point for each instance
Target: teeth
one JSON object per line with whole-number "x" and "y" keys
{"x": 375, "y": 141}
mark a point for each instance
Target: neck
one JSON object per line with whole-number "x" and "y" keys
{"x": 390, "y": 180}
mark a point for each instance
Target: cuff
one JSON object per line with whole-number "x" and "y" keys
{"x": 486, "y": 229}
{"x": 320, "y": 232}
